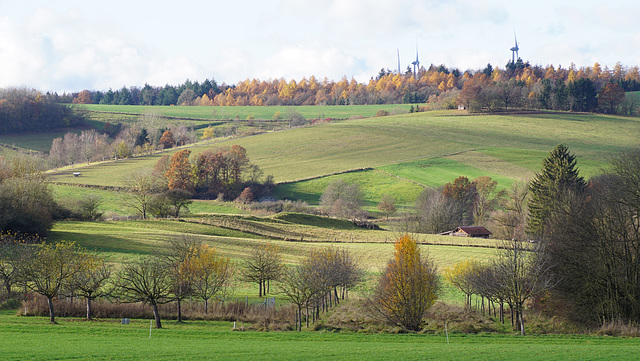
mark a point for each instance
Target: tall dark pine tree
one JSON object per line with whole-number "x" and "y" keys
{"x": 559, "y": 175}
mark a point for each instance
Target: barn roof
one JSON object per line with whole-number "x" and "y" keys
{"x": 474, "y": 230}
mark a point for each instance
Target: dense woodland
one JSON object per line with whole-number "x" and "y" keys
{"x": 24, "y": 109}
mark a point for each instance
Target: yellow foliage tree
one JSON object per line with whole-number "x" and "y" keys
{"x": 459, "y": 275}
{"x": 212, "y": 274}
{"x": 208, "y": 133}
{"x": 408, "y": 287}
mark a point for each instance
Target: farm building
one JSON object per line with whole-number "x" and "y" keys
{"x": 475, "y": 232}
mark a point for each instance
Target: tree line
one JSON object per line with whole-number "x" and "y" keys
{"x": 518, "y": 84}
{"x": 188, "y": 268}
{"x": 139, "y": 139}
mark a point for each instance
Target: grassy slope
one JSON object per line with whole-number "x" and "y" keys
{"x": 33, "y": 338}
{"x": 517, "y": 140}
{"x": 121, "y": 241}
{"x": 242, "y": 112}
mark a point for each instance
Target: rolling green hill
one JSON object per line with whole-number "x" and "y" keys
{"x": 429, "y": 148}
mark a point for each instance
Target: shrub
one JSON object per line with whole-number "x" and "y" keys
{"x": 382, "y": 113}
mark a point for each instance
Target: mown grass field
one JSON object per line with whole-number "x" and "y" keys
{"x": 33, "y": 338}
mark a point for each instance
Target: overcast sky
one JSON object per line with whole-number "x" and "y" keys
{"x": 68, "y": 45}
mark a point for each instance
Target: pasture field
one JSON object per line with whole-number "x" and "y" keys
{"x": 511, "y": 146}
{"x": 38, "y": 141}
{"x": 258, "y": 112}
{"x": 374, "y": 184}
{"x": 126, "y": 240}
{"x": 33, "y": 338}
{"x": 112, "y": 201}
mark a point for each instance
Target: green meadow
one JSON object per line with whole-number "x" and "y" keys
{"x": 109, "y": 340}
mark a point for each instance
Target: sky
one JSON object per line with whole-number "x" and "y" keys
{"x": 69, "y": 45}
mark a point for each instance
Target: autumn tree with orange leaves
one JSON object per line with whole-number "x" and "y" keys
{"x": 408, "y": 287}
{"x": 179, "y": 175}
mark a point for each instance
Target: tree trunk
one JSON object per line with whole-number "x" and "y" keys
{"x": 521, "y": 320}
{"x": 260, "y": 288}
{"x": 52, "y": 315}
{"x": 88, "y": 308}
{"x": 179, "y": 310}
{"x": 156, "y": 315}
{"x": 206, "y": 306}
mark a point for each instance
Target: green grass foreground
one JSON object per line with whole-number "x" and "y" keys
{"x": 34, "y": 338}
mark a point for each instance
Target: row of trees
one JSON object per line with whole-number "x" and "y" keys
{"x": 519, "y": 84}
{"x": 189, "y": 269}
{"x": 90, "y": 145}
{"x": 23, "y": 109}
{"x": 518, "y": 273}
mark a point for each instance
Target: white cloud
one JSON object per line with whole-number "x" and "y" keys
{"x": 306, "y": 60}
{"x": 77, "y": 45}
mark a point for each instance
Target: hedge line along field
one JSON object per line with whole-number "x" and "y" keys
{"x": 519, "y": 141}
{"x": 217, "y": 340}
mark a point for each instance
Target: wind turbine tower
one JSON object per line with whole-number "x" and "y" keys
{"x": 416, "y": 64}
{"x": 514, "y": 50}
{"x": 399, "y": 70}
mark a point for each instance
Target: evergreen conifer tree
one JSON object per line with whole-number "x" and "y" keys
{"x": 559, "y": 175}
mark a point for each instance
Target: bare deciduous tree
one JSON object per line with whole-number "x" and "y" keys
{"x": 91, "y": 281}
{"x": 521, "y": 273}
{"x": 147, "y": 280}
{"x": 263, "y": 265}
{"x": 143, "y": 186}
